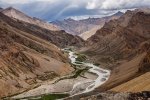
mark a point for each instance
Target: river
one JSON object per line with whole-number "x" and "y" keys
{"x": 102, "y": 74}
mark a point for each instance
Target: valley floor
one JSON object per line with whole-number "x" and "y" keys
{"x": 86, "y": 78}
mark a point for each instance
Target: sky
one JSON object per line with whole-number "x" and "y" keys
{"x": 51, "y": 10}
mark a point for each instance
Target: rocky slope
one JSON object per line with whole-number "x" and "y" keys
{"x": 145, "y": 95}
{"x": 77, "y": 27}
{"x": 89, "y": 33}
{"x": 73, "y": 26}
{"x": 59, "y": 38}
{"x": 121, "y": 38}
{"x": 14, "y": 13}
{"x": 123, "y": 46}
{"x": 26, "y": 60}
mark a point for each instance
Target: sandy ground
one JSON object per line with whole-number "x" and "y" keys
{"x": 60, "y": 87}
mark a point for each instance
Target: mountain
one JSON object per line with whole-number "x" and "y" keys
{"x": 77, "y": 27}
{"x": 27, "y": 60}
{"x": 73, "y": 26}
{"x": 89, "y": 33}
{"x": 98, "y": 22}
{"x": 14, "y": 13}
{"x": 122, "y": 45}
{"x": 60, "y": 38}
{"x": 1, "y": 9}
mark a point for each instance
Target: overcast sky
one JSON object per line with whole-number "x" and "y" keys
{"x": 59, "y": 9}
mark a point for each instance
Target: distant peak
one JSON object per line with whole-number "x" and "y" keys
{"x": 69, "y": 19}
{"x": 119, "y": 13}
{"x": 10, "y": 8}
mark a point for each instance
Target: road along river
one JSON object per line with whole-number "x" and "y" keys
{"x": 71, "y": 84}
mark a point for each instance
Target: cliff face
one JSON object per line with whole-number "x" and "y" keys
{"x": 26, "y": 60}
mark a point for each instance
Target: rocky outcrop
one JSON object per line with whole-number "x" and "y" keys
{"x": 145, "y": 95}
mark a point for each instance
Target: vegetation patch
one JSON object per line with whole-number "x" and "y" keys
{"x": 47, "y": 76}
{"x": 77, "y": 73}
{"x": 53, "y": 96}
{"x": 81, "y": 57}
{"x": 77, "y": 62}
{"x": 96, "y": 64}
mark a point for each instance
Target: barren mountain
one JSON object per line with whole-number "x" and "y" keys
{"x": 89, "y": 33}
{"x": 73, "y": 26}
{"x": 98, "y": 22}
{"x": 14, "y": 13}
{"x": 123, "y": 45}
{"x": 59, "y": 38}
{"x": 26, "y": 60}
{"x": 85, "y": 26}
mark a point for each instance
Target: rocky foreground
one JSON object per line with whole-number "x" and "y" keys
{"x": 145, "y": 95}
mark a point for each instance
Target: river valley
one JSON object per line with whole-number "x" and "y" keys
{"x": 86, "y": 77}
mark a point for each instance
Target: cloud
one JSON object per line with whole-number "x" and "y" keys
{"x": 22, "y": 1}
{"x": 117, "y": 4}
{"x": 60, "y": 9}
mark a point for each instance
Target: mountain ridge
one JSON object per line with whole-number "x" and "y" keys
{"x": 81, "y": 27}
{"x": 14, "y": 13}
{"x": 59, "y": 37}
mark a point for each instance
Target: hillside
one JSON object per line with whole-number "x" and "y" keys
{"x": 120, "y": 39}
{"x": 136, "y": 85}
{"x": 89, "y": 33}
{"x": 26, "y": 60}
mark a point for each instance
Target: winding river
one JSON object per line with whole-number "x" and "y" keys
{"x": 102, "y": 74}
